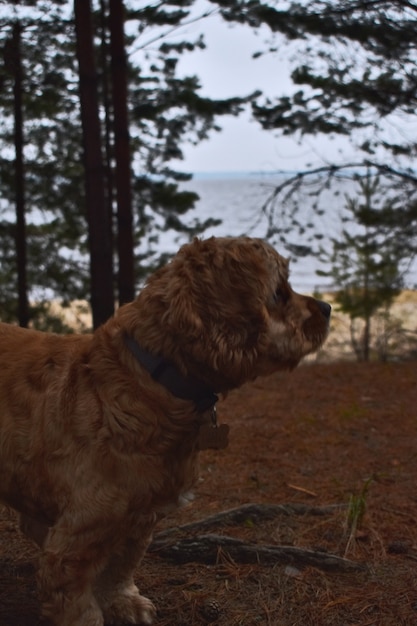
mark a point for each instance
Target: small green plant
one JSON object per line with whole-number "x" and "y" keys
{"x": 355, "y": 514}
{"x": 351, "y": 411}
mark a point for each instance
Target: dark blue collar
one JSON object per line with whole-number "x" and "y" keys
{"x": 167, "y": 374}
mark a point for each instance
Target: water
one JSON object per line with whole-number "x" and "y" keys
{"x": 238, "y": 199}
{"x": 238, "y": 202}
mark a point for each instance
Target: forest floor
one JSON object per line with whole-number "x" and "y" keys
{"x": 340, "y": 434}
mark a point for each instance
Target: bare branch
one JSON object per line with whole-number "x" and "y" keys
{"x": 208, "y": 549}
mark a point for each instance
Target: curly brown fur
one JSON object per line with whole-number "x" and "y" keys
{"x": 93, "y": 450}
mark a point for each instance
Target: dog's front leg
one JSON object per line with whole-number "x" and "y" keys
{"x": 68, "y": 567}
{"x": 115, "y": 590}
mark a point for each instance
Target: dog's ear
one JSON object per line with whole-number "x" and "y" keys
{"x": 182, "y": 315}
{"x": 192, "y": 283}
{"x": 215, "y": 299}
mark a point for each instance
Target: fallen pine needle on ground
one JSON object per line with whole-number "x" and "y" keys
{"x": 331, "y": 450}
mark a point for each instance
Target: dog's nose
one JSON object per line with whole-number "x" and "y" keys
{"x": 325, "y": 308}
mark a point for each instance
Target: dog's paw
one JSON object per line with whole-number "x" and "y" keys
{"x": 129, "y": 607}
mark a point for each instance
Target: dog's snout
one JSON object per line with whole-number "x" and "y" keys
{"x": 325, "y": 308}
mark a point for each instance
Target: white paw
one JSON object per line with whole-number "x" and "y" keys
{"x": 129, "y": 607}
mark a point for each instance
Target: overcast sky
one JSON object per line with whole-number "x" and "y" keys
{"x": 226, "y": 68}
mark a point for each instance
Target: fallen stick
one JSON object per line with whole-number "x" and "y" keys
{"x": 208, "y": 549}
{"x": 250, "y": 513}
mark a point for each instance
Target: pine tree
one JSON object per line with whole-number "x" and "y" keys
{"x": 13, "y": 60}
{"x": 354, "y": 68}
{"x": 370, "y": 257}
{"x": 99, "y": 218}
{"x": 353, "y": 73}
{"x": 51, "y": 160}
{"x": 164, "y": 111}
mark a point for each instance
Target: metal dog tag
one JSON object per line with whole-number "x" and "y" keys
{"x": 213, "y": 436}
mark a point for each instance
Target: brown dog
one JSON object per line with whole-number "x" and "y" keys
{"x": 99, "y": 434}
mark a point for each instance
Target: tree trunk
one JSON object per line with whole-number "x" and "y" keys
{"x": 125, "y": 243}
{"x": 98, "y": 217}
{"x": 355, "y": 342}
{"x": 108, "y": 115}
{"x": 367, "y": 319}
{"x": 21, "y": 254}
{"x": 366, "y": 338}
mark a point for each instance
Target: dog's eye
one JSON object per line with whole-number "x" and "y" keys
{"x": 280, "y": 295}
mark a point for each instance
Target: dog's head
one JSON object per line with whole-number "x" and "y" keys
{"x": 223, "y": 311}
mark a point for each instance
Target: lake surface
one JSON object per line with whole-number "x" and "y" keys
{"x": 238, "y": 202}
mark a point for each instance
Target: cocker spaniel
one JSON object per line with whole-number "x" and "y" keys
{"x": 99, "y": 434}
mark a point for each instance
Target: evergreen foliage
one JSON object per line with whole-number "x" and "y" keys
{"x": 354, "y": 76}
{"x": 165, "y": 111}
{"x": 370, "y": 256}
{"x": 356, "y": 69}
